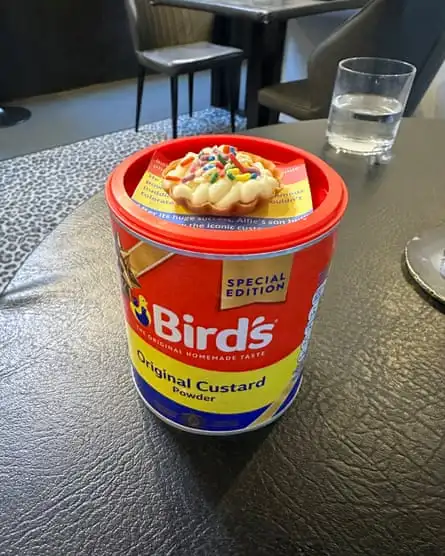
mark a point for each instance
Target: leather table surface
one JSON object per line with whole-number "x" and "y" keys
{"x": 356, "y": 466}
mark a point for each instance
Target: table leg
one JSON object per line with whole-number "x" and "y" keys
{"x": 220, "y": 35}
{"x": 233, "y": 32}
{"x": 263, "y": 69}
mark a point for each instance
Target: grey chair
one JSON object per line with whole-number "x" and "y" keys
{"x": 175, "y": 41}
{"x": 388, "y": 28}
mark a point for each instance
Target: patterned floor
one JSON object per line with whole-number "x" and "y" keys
{"x": 39, "y": 190}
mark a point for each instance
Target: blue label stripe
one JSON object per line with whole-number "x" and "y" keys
{"x": 202, "y": 420}
{"x": 221, "y": 222}
{"x": 194, "y": 418}
{"x": 290, "y": 396}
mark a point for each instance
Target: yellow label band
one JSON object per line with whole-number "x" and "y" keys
{"x": 211, "y": 391}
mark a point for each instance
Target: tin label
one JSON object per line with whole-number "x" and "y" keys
{"x": 215, "y": 345}
{"x": 291, "y": 204}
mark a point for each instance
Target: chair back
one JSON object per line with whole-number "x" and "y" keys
{"x": 418, "y": 36}
{"x": 426, "y": 74}
{"x": 159, "y": 26}
{"x": 388, "y": 29}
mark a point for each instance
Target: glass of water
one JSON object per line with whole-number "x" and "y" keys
{"x": 368, "y": 102}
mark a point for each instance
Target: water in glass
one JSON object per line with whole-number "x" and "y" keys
{"x": 363, "y": 123}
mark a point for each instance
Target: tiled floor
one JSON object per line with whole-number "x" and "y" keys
{"x": 64, "y": 118}
{"x": 71, "y": 116}
{"x": 39, "y": 190}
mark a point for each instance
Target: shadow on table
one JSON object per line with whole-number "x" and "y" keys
{"x": 215, "y": 462}
{"x": 221, "y": 471}
{"x": 359, "y": 172}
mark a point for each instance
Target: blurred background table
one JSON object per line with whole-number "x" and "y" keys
{"x": 265, "y": 10}
{"x": 354, "y": 467}
{"x": 262, "y": 38}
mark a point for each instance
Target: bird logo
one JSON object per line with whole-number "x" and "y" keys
{"x": 139, "y": 309}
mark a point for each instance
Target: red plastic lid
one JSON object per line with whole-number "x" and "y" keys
{"x": 329, "y": 195}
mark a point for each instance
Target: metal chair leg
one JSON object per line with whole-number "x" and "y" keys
{"x": 232, "y": 79}
{"x": 140, "y": 92}
{"x": 273, "y": 117}
{"x": 191, "y": 87}
{"x": 174, "y": 101}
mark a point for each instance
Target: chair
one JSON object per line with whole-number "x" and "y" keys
{"x": 392, "y": 29}
{"x": 175, "y": 41}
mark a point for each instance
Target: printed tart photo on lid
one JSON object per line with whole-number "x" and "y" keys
{"x": 221, "y": 181}
{"x": 241, "y": 184}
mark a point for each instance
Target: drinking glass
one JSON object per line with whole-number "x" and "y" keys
{"x": 368, "y": 102}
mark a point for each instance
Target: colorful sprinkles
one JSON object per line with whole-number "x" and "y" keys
{"x": 219, "y": 163}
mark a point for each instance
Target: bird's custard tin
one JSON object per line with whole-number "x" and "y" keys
{"x": 218, "y": 322}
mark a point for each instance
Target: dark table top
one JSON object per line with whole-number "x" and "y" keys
{"x": 354, "y": 467}
{"x": 265, "y": 10}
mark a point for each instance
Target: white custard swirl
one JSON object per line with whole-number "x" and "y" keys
{"x": 221, "y": 177}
